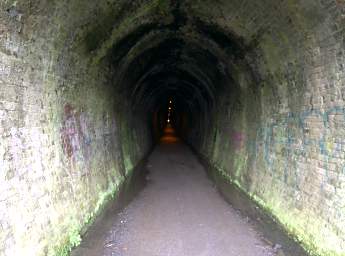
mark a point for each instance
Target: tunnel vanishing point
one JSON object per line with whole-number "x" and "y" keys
{"x": 257, "y": 89}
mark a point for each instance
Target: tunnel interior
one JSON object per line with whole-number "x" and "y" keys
{"x": 255, "y": 88}
{"x": 176, "y": 73}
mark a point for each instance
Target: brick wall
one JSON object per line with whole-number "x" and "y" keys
{"x": 68, "y": 135}
{"x": 281, "y": 137}
{"x": 66, "y": 141}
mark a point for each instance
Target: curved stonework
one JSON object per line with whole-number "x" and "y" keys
{"x": 257, "y": 88}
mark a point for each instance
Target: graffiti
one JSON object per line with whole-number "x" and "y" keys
{"x": 238, "y": 140}
{"x": 69, "y": 133}
{"x": 292, "y": 138}
{"x": 76, "y": 138}
{"x": 111, "y": 150}
{"x": 85, "y": 133}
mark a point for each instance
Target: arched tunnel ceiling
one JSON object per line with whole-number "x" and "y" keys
{"x": 176, "y": 56}
{"x": 197, "y": 49}
{"x": 262, "y": 82}
{"x": 199, "y": 45}
{"x": 160, "y": 47}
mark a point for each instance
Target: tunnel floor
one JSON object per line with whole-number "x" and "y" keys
{"x": 179, "y": 212}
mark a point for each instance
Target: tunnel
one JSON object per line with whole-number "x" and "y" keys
{"x": 253, "y": 91}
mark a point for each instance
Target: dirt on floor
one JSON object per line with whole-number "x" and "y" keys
{"x": 179, "y": 212}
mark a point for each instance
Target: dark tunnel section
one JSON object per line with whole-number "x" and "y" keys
{"x": 255, "y": 89}
{"x": 162, "y": 67}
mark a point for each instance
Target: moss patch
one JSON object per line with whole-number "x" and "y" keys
{"x": 308, "y": 243}
{"x": 76, "y": 229}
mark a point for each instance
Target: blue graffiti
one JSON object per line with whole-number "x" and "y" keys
{"x": 291, "y": 134}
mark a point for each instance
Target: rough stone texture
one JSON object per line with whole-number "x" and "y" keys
{"x": 66, "y": 141}
{"x": 258, "y": 89}
{"x": 282, "y": 140}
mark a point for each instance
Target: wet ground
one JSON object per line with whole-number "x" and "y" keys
{"x": 179, "y": 212}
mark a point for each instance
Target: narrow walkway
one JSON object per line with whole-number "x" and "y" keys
{"x": 178, "y": 213}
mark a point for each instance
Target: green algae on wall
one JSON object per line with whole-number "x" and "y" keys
{"x": 61, "y": 121}
{"x": 290, "y": 163}
{"x": 72, "y": 237}
{"x": 283, "y": 218}
{"x": 61, "y": 130}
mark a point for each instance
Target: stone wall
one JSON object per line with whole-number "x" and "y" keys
{"x": 281, "y": 138}
{"x": 68, "y": 140}
{"x": 262, "y": 81}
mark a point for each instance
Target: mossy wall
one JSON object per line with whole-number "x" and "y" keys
{"x": 281, "y": 138}
{"x": 68, "y": 140}
{"x": 264, "y": 81}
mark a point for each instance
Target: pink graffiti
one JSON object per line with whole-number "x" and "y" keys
{"x": 238, "y": 140}
{"x": 75, "y": 136}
